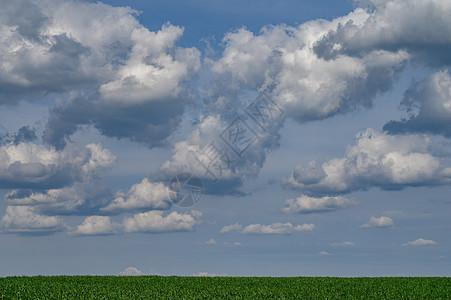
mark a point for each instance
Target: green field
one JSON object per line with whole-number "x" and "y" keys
{"x": 159, "y": 287}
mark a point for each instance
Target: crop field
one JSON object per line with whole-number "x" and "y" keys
{"x": 173, "y": 287}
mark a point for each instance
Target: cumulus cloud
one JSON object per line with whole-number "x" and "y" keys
{"x": 157, "y": 221}
{"x": 143, "y": 195}
{"x": 29, "y": 165}
{"x": 212, "y": 150}
{"x": 131, "y": 271}
{"x": 133, "y": 81}
{"x": 231, "y": 228}
{"x": 284, "y": 59}
{"x": 377, "y": 159}
{"x": 306, "y": 204}
{"x": 313, "y": 71}
{"x": 343, "y": 244}
{"x": 211, "y": 242}
{"x": 81, "y": 198}
{"x": 206, "y": 274}
{"x": 381, "y": 222}
{"x": 24, "y": 134}
{"x": 324, "y": 253}
{"x": 276, "y": 228}
{"x": 393, "y": 25}
{"x": 97, "y": 225}
{"x": 420, "y": 242}
{"x": 428, "y": 104}
{"x": 56, "y": 182}
{"x": 24, "y": 220}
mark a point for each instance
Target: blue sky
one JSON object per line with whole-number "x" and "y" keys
{"x": 103, "y": 103}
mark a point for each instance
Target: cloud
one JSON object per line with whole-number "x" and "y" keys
{"x": 343, "y": 244}
{"x": 97, "y": 225}
{"x": 206, "y": 274}
{"x": 237, "y": 244}
{"x": 131, "y": 271}
{"x": 28, "y": 165}
{"x": 156, "y": 222}
{"x": 24, "y": 134}
{"x": 81, "y": 198}
{"x": 56, "y": 182}
{"x": 204, "y": 154}
{"x": 306, "y": 204}
{"x": 393, "y": 25}
{"x": 428, "y": 104}
{"x": 231, "y": 228}
{"x": 377, "y": 159}
{"x": 420, "y": 242}
{"x": 125, "y": 80}
{"x": 276, "y": 228}
{"x": 285, "y": 60}
{"x": 211, "y": 242}
{"x": 313, "y": 71}
{"x": 381, "y": 222}
{"x": 324, "y": 253}
{"x": 24, "y": 220}
{"x": 143, "y": 195}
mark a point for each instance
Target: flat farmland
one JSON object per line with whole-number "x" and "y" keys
{"x": 175, "y": 287}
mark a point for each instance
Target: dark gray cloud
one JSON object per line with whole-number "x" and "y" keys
{"x": 24, "y": 134}
{"x": 147, "y": 123}
{"x": 420, "y": 27}
{"x": 428, "y": 104}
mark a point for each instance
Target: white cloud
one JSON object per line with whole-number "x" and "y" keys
{"x": 377, "y": 159}
{"x": 97, "y": 225}
{"x": 231, "y": 228}
{"x": 156, "y": 221}
{"x": 343, "y": 244}
{"x": 324, "y": 253}
{"x": 308, "y": 86}
{"x": 237, "y": 244}
{"x": 211, "y": 242}
{"x": 131, "y": 271}
{"x": 206, "y": 274}
{"x": 276, "y": 228}
{"x": 398, "y": 24}
{"x": 112, "y": 68}
{"x": 23, "y": 219}
{"x": 57, "y": 182}
{"x": 28, "y": 165}
{"x": 81, "y": 198}
{"x": 230, "y": 170}
{"x": 382, "y": 222}
{"x": 151, "y": 72}
{"x": 306, "y": 204}
{"x": 144, "y": 195}
{"x": 420, "y": 242}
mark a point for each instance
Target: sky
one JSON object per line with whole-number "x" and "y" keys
{"x": 316, "y": 133}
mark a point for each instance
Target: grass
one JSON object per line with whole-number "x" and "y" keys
{"x": 173, "y": 287}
